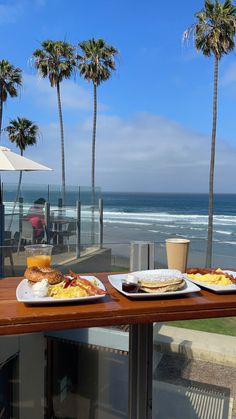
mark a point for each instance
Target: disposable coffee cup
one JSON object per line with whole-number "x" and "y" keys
{"x": 177, "y": 253}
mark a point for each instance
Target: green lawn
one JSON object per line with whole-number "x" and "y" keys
{"x": 222, "y": 325}
{"x": 119, "y": 269}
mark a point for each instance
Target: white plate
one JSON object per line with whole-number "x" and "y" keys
{"x": 116, "y": 282}
{"x": 217, "y": 288}
{"x": 24, "y": 294}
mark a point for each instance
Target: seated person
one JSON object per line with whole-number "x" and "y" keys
{"x": 36, "y": 217}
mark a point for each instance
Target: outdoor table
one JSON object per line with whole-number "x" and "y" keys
{"x": 115, "y": 309}
{"x": 57, "y": 224}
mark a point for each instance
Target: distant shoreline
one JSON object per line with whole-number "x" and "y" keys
{"x": 83, "y": 188}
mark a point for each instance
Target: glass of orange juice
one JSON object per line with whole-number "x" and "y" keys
{"x": 38, "y": 255}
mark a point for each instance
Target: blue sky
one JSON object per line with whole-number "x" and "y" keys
{"x": 154, "y": 114}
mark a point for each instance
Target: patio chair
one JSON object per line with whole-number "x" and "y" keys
{"x": 69, "y": 232}
{"x": 7, "y": 252}
{"x": 27, "y": 234}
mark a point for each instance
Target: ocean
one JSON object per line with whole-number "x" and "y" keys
{"x": 155, "y": 217}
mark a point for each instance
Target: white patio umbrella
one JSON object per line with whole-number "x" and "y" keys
{"x": 10, "y": 161}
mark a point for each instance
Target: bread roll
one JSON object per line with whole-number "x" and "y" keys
{"x": 36, "y": 274}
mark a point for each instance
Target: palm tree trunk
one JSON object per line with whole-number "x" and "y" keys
{"x": 212, "y": 169}
{"x": 93, "y": 161}
{"x": 17, "y": 196}
{"x": 63, "y": 182}
{"x": 94, "y": 132}
{"x": 1, "y": 106}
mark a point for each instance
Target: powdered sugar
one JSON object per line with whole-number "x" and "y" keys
{"x": 155, "y": 274}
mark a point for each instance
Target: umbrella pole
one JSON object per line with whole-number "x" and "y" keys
{"x": 2, "y": 229}
{"x": 0, "y": 190}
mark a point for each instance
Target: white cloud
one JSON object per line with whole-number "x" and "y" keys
{"x": 229, "y": 75}
{"x": 73, "y": 95}
{"x": 12, "y": 10}
{"x": 143, "y": 153}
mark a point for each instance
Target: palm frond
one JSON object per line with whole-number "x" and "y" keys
{"x": 23, "y": 132}
{"x": 10, "y": 80}
{"x": 56, "y": 60}
{"x": 214, "y": 29}
{"x": 96, "y": 60}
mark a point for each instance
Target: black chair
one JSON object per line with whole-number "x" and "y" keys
{"x": 7, "y": 251}
{"x": 58, "y": 236}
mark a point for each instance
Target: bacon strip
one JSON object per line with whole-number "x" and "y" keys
{"x": 87, "y": 285}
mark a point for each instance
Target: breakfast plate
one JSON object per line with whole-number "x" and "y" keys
{"x": 25, "y": 294}
{"x": 117, "y": 279}
{"x": 216, "y": 288}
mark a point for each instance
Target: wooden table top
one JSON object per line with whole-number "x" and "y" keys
{"x": 113, "y": 309}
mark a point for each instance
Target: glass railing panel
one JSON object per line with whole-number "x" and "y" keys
{"x": 83, "y": 257}
{"x": 59, "y": 229}
{"x": 194, "y": 370}
{"x": 221, "y": 255}
{"x": 79, "y": 373}
{"x": 18, "y": 206}
{"x": 84, "y": 373}
{"x": 120, "y": 254}
{"x": 89, "y": 196}
{"x": 88, "y": 379}
{"x": 121, "y": 226}
{"x": 28, "y": 192}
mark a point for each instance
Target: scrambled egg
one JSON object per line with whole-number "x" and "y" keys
{"x": 211, "y": 279}
{"x": 58, "y": 290}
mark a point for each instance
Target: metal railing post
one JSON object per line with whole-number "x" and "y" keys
{"x": 59, "y": 227}
{"x": 140, "y": 344}
{"x": 100, "y": 207}
{"x": 48, "y": 193}
{"x": 2, "y": 231}
{"x": 60, "y": 204}
{"x": 78, "y": 228}
{"x": 21, "y": 213}
{"x": 47, "y": 221}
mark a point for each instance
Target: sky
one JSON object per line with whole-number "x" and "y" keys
{"x": 154, "y": 113}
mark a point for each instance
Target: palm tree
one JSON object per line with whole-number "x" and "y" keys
{"x": 96, "y": 63}
{"x": 23, "y": 133}
{"x": 214, "y": 35}
{"x": 56, "y": 60}
{"x": 10, "y": 81}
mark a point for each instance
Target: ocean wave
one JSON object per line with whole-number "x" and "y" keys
{"x": 226, "y": 242}
{"x": 125, "y": 222}
{"x": 160, "y": 215}
{"x": 167, "y": 218}
{"x": 197, "y": 229}
{"x": 164, "y": 233}
{"x": 223, "y": 232}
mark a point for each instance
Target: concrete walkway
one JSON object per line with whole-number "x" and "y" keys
{"x": 204, "y": 346}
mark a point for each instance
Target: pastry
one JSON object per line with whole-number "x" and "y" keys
{"x": 36, "y": 274}
{"x": 160, "y": 280}
{"x": 161, "y": 285}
